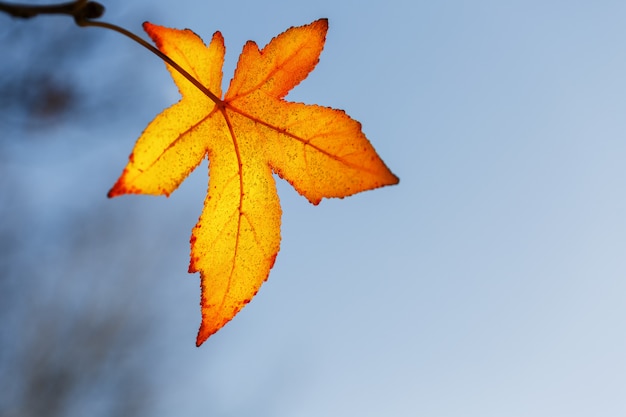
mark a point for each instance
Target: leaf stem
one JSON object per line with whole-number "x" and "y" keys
{"x": 155, "y": 51}
{"x": 83, "y": 11}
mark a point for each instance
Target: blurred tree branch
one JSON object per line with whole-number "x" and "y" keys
{"x": 80, "y": 9}
{"x": 72, "y": 341}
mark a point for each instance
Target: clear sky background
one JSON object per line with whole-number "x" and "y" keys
{"x": 490, "y": 282}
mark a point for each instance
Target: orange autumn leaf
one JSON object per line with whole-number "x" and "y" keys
{"x": 247, "y": 135}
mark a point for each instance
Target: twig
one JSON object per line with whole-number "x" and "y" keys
{"x": 79, "y": 9}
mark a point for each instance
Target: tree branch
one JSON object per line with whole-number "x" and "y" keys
{"x": 79, "y": 9}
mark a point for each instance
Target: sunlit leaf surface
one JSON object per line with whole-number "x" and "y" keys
{"x": 247, "y": 135}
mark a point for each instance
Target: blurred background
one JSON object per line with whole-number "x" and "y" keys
{"x": 489, "y": 282}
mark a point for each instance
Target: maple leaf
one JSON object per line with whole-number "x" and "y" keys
{"x": 247, "y": 135}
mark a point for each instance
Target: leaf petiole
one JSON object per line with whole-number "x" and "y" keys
{"x": 83, "y": 11}
{"x": 155, "y": 51}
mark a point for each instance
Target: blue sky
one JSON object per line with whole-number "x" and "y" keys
{"x": 489, "y": 282}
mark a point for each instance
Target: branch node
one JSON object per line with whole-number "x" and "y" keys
{"x": 90, "y": 10}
